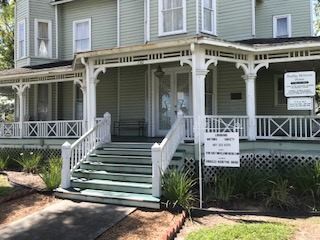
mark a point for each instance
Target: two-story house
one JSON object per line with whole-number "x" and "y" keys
{"x": 219, "y": 63}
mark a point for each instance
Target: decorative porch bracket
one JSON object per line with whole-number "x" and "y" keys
{"x": 20, "y": 88}
{"x": 250, "y": 75}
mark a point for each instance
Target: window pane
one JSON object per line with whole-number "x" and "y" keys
{"x": 43, "y": 48}
{"x": 208, "y": 4}
{"x": 167, "y": 21}
{"x": 21, "y": 31}
{"x": 282, "y": 27}
{"x": 82, "y": 30}
{"x": 43, "y": 32}
{"x": 167, "y": 4}
{"x": 176, "y": 3}
{"x": 178, "y": 19}
{"x": 207, "y": 20}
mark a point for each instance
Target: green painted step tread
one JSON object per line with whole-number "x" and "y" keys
{"x": 115, "y": 195}
{"x": 115, "y": 164}
{"x": 120, "y": 156}
{"x": 125, "y": 149}
{"x": 112, "y": 183}
{"x": 111, "y": 173}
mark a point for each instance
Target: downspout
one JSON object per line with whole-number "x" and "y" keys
{"x": 253, "y": 10}
{"x": 57, "y": 31}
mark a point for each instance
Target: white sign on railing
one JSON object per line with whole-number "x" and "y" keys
{"x": 300, "y": 84}
{"x": 222, "y": 149}
{"x": 305, "y": 103}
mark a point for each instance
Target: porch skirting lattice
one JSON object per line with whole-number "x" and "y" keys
{"x": 259, "y": 160}
{"x": 14, "y": 153}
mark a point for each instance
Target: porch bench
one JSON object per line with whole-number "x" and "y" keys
{"x": 133, "y": 124}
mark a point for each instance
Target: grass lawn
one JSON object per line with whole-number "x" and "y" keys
{"x": 244, "y": 231}
{"x": 5, "y": 186}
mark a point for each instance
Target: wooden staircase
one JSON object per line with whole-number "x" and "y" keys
{"x": 117, "y": 173}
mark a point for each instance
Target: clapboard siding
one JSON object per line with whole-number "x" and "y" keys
{"x": 230, "y": 81}
{"x": 103, "y": 14}
{"x": 22, "y": 13}
{"x": 191, "y": 21}
{"x": 300, "y": 14}
{"x": 234, "y": 21}
{"x": 131, "y": 22}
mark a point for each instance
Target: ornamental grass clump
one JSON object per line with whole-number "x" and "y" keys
{"x": 51, "y": 174}
{"x": 3, "y": 163}
{"x": 177, "y": 189}
{"x": 30, "y": 163}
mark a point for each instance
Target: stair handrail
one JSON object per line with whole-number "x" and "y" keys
{"x": 73, "y": 155}
{"x": 163, "y": 153}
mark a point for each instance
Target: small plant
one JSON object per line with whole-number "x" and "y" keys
{"x": 280, "y": 194}
{"x": 177, "y": 189}
{"x": 3, "y": 163}
{"x": 29, "y": 163}
{"x": 224, "y": 187}
{"x": 51, "y": 175}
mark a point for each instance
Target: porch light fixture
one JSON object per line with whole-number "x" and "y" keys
{"x": 159, "y": 73}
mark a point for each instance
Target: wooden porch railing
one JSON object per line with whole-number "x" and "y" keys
{"x": 43, "y": 129}
{"x": 162, "y": 153}
{"x": 288, "y": 127}
{"x": 74, "y": 154}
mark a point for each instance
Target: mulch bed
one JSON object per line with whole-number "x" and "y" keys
{"x": 142, "y": 224}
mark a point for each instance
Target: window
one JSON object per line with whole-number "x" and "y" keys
{"x": 279, "y": 97}
{"x": 43, "y": 38}
{"x": 82, "y": 35}
{"x": 209, "y": 16}
{"x": 21, "y": 39}
{"x": 282, "y": 26}
{"x": 172, "y": 17}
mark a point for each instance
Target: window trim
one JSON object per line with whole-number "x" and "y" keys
{"x": 160, "y": 20}
{"x": 276, "y": 78}
{"x": 36, "y": 29}
{"x": 74, "y": 34}
{"x": 214, "y": 18}
{"x": 24, "y": 55}
{"x": 275, "y": 27}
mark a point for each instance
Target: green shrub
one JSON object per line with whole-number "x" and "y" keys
{"x": 224, "y": 187}
{"x": 3, "y": 163}
{"x": 177, "y": 189}
{"x": 280, "y": 194}
{"x": 51, "y": 174}
{"x": 30, "y": 163}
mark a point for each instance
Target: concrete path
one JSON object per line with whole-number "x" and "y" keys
{"x": 66, "y": 220}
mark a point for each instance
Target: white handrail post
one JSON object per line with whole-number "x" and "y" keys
{"x": 182, "y": 123}
{"x": 156, "y": 172}
{"x": 107, "y": 137}
{"x": 65, "y": 172}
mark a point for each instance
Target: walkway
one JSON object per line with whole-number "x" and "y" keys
{"x": 66, "y": 220}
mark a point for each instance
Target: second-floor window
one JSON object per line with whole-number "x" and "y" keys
{"x": 21, "y": 39}
{"x": 208, "y": 16}
{"x": 282, "y": 26}
{"x": 172, "y": 17}
{"x": 43, "y": 38}
{"x": 82, "y": 35}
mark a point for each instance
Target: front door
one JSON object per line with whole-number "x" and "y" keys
{"x": 173, "y": 94}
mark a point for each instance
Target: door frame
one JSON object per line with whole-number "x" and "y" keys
{"x": 155, "y": 95}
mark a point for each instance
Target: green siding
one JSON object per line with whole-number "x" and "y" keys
{"x": 234, "y": 19}
{"x": 300, "y": 16}
{"x": 191, "y": 21}
{"x": 103, "y": 14}
{"x": 230, "y": 81}
{"x": 131, "y": 22}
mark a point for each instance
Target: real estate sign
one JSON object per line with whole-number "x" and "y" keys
{"x": 222, "y": 149}
{"x": 300, "y": 84}
{"x": 303, "y": 103}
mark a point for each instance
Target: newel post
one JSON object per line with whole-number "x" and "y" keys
{"x": 107, "y": 117}
{"x": 65, "y": 172}
{"x": 156, "y": 170}
{"x": 180, "y": 117}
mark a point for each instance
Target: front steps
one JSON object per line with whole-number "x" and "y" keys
{"x": 117, "y": 173}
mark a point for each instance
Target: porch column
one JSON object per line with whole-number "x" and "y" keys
{"x": 83, "y": 87}
{"x": 199, "y": 72}
{"x": 20, "y": 88}
{"x": 251, "y": 105}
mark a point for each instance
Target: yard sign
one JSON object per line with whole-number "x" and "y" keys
{"x": 222, "y": 149}
{"x": 300, "y": 84}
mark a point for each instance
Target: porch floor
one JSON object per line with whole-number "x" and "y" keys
{"x": 136, "y": 139}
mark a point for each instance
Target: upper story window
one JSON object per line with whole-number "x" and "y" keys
{"x": 82, "y": 35}
{"x": 172, "y": 17}
{"x": 21, "y": 39}
{"x": 282, "y": 26}
{"x": 43, "y": 40}
{"x": 209, "y": 16}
